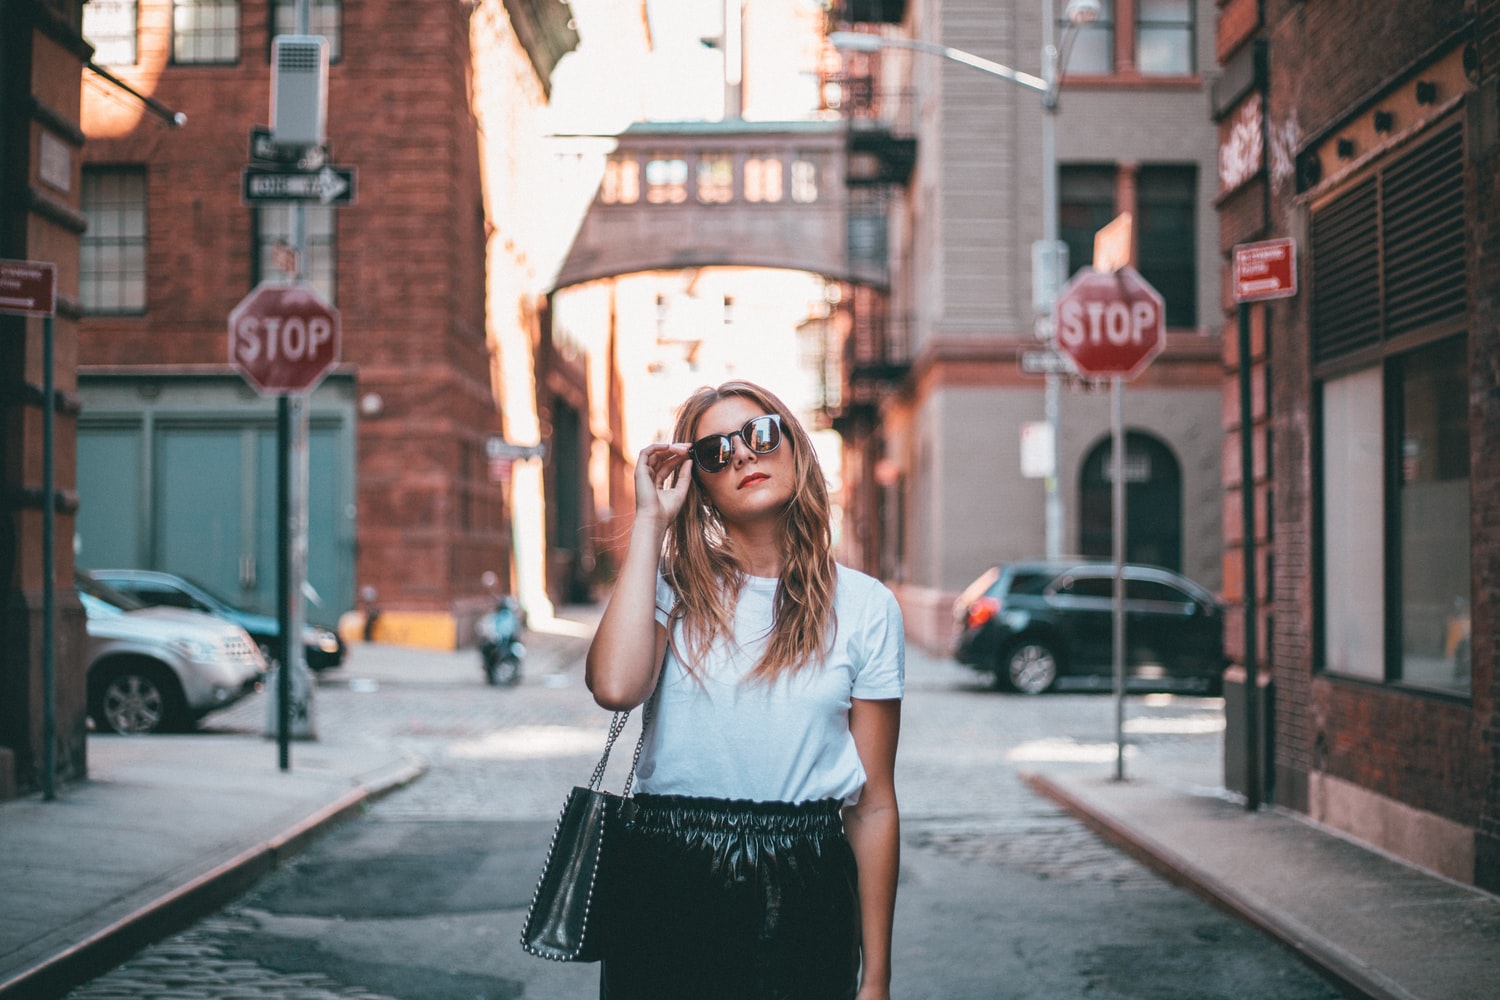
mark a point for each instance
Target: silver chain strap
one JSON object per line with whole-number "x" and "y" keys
{"x": 616, "y": 727}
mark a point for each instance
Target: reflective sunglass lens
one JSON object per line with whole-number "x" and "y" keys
{"x": 761, "y": 435}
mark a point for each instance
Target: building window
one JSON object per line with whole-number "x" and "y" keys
{"x": 622, "y": 182}
{"x": 324, "y": 17}
{"x": 762, "y": 178}
{"x": 1163, "y": 42}
{"x": 715, "y": 178}
{"x": 1166, "y": 238}
{"x": 273, "y": 247}
{"x": 205, "y": 31}
{"x": 666, "y": 180}
{"x": 110, "y": 27}
{"x": 804, "y": 181}
{"x": 1390, "y": 347}
{"x": 1430, "y": 427}
{"x": 1164, "y": 37}
{"x": 1163, "y": 203}
{"x": 1092, "y": 51}
{"x": 112, "y": 252}
{"x": 1354, "y": 599}
{"x": 1086, "y": 203}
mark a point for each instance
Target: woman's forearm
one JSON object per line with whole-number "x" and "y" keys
{"x": 620, "y": 668}
{"x": 875, "y": 836}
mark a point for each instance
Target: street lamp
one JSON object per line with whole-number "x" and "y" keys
{"x": 1049, "y": 256}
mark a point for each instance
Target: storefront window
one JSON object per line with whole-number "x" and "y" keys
{"x": 1353, "y": 528}
{"x": 1433, "y": 507}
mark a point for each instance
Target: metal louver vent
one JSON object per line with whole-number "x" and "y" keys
{"x": 1423, "y": 230}
{"x": 1346, "y": 274}
{"x": 1388, "y": 255}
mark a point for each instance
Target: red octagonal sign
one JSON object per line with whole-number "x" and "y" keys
{"x": 1110, "y": 324}
{"x": 283, "y": 338}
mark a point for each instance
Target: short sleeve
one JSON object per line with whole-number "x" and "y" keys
{"x": 666, "y": 600}
{"x": 879, "y": 648}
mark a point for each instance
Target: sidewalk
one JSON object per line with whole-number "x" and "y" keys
{"x": 1376, "y": 926}
{"x": 169, "y": 827}
{"x": 165, "y": 829}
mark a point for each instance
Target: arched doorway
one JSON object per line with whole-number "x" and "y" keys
{"x": 1153, "y": 503}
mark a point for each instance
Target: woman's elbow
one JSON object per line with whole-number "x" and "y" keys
{"x": 613, "y": 700}
{"x": 611, "y": 694}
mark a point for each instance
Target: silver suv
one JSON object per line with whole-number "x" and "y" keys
{"x": 156, "y": 670}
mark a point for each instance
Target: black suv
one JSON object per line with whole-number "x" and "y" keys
{"x": 1040, "y": 625}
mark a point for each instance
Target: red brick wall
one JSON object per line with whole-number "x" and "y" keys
{"x": 1326, "y": 61}
{"x": 411, "y": 266}
{"x": 1484, "y": 445}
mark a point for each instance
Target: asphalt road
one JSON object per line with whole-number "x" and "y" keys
{"x": 1002, "y": 894}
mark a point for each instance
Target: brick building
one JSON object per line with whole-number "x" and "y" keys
{"x": 42, "y": 55}
{"x": 1367, "y": 134}
{"x": 433, "y": 268}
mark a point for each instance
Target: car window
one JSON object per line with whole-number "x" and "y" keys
{"x": 95, "y": 608}
{"x": 160, "y": 593}
{"x": 101, "y": 591}
{"x": 1029, "y": 583}
{"x": 1155, "y": 590}
{"x": 1086, "y": 586}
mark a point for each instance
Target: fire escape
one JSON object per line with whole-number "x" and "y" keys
{"x": 881, "y": 152}
{"x": 875, "y": 354}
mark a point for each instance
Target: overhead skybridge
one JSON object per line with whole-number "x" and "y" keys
{"x": 732, "y": 193}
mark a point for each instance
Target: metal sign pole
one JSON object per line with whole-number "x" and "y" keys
{"x": 1253, "y": 749}
{"x": 1117, "y": 463}
{"x": 291, "y": 440}
{"x": 283, "y": 581}
{"x": 49, "y": 558}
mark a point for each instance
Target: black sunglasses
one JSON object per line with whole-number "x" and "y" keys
{"x": 762, "y": 435}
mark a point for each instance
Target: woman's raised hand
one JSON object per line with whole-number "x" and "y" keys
{"x": 661, "y": 481}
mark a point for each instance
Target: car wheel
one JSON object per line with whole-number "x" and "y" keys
{"x": 1029, "y": 667}
{"x": 137, "y": 698}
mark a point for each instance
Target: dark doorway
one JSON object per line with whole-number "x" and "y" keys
{"x": 1153, "y": 503}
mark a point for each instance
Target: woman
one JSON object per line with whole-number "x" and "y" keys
{"x": 762, "y": 857}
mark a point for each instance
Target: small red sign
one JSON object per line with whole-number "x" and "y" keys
{"x": 283, "y": 338}
{"x": 1265, "y": 270}
{"x": 1110, "y": 324}
{"x": 28, "y": 287}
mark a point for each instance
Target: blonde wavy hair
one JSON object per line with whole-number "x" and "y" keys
{"x": 699, "y": 561}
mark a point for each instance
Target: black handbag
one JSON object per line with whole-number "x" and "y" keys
{"x": 563, "y": 923}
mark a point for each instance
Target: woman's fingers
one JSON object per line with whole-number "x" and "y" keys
{"x": 655, "y": 471}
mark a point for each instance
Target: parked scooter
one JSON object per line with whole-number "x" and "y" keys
{"x": 500, "y": 646}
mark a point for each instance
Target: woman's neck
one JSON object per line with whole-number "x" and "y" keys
{"x": 758, "y": 550}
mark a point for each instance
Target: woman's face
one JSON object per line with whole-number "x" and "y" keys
{"x": 749, "y": 487}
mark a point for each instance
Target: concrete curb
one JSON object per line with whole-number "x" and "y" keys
{"x": 102, "y": 950}
{"x": 1352, "y": 977}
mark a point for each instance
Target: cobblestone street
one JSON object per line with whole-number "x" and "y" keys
{"x": 992, "y": 873}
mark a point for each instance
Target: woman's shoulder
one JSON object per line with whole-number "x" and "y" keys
{"x": 861, "y": 585}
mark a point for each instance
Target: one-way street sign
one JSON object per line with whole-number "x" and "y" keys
{"x": 331, "y": 185}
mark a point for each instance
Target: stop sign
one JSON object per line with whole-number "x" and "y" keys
{"x": 283, "y": 338}
{"x": 1110, "y": 324}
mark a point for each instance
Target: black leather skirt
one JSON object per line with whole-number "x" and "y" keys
{"x": 713, "y": 899}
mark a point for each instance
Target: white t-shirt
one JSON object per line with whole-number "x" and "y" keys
{"x": 783, "y": 742}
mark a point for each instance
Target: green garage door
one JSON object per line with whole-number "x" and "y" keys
{"x": 195, "y": 494}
